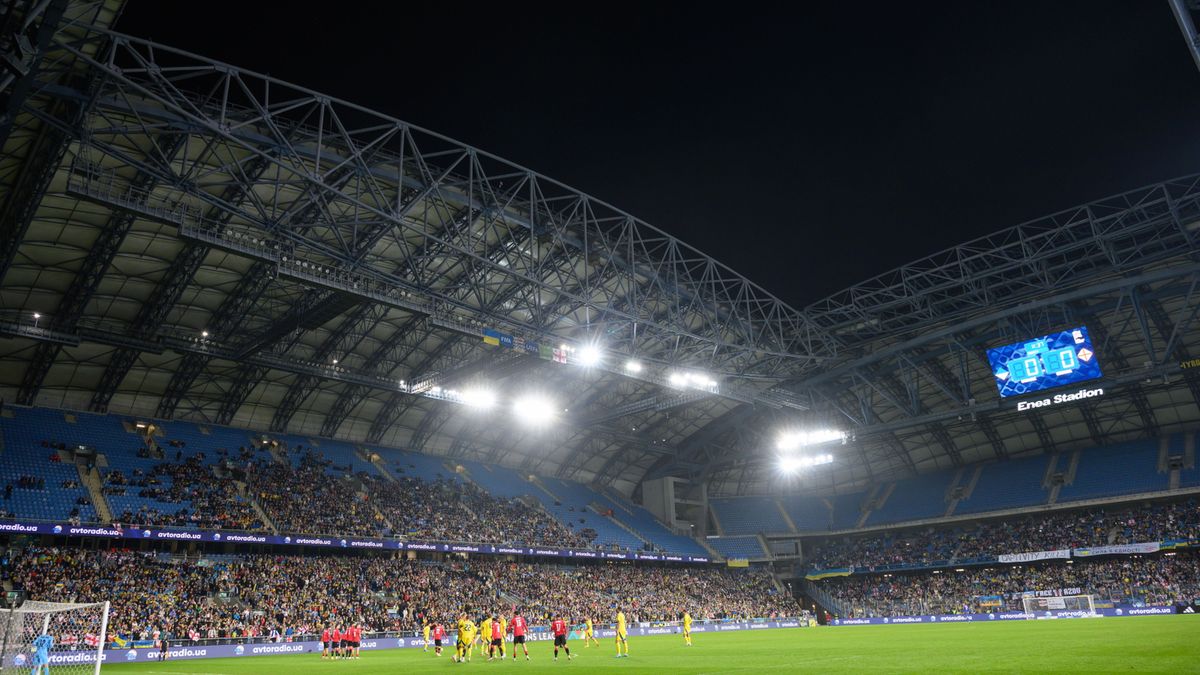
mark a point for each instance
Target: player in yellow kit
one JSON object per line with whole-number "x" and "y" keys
{"x": 589, "y": 635}
{"x": 622, "y": 634}
{"x": 485, "y": 634}
{"x": 687, "y": 628}
{"x": 466, "y": 637}
{"x": 425, "y": 635}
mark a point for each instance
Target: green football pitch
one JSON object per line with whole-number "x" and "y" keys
{"x": 1164, "y": 644}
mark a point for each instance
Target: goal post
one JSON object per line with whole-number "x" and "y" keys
{"x": 1060, "y": 606}
{"x": 66, "y": 638}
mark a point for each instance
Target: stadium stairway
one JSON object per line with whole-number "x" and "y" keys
{"x": 376, "y": 460}
{"x": 258, "y": 509}
{"x": 716, "y": 519}
{"x": 787, "y": 518}
{"x": 599, "y": 511}
{"x": 92, "y": 482}
{"x": 824, "y": 599}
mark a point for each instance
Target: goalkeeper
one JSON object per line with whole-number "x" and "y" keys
{"x": 41, "y": 654}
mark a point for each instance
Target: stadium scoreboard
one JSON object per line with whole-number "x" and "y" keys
{"x": 1045, "y": 362}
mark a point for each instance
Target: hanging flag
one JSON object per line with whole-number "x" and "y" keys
{"x": 546, "y": 352}
{"x": 491, "y": 337}
{"x": 91, "y": 640}
{"x": 531, "y": 347}
{"x": 560, "y": 356}
{"x": 506, "y": 340}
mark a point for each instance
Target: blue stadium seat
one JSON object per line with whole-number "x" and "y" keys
{"x": 1124, "y": 468}
{"x": 737, "y": 547}
{"x": 915, "y": 498}
{"x": 1007, "y": 485}
{"x": 500, "y": 481}
{"x": 847, "y": 510}
{"x": 748, "y": 515}
{"x": 808, "y": 513}
{"x": 24, "y": 456}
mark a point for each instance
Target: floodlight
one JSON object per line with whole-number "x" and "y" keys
{"x": 677, "y": 379}
{"x": 633, "y": 366}
{"x": 534, "y": 410}
{"x": 790, "y": 464}
{"x": 483, "y": 399}
{"x": 590, "y": 356}
{"x": 37, "y": 315}
{"x": 795, "y": 440}
{"x": 203, "y": 333}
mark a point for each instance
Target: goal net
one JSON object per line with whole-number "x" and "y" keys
{"x": 1065, "y": 606}
{"x": 65, "y": 638}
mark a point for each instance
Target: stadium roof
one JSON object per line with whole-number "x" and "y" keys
{"x": 186, "y": 239}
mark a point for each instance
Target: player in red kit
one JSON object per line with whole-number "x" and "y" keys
{"x": 559, "y": 628}
{"x": 325, "y": 638}
{"x": 518, "y": 627}
{"x": 439, "y": 634}
{"x": 355, "y": 638}
{"x": 497, "y": 639}
{"x": 337, "y": 642}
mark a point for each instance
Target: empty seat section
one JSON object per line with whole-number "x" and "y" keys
{"x": 1007, "y": 485}
{"x": 847, "y": 510}
{"x": 402, "y": 463}
{"x": 573, "y": 511}
{"x": 807, "y": 512}
{"x": 748, "y": 515}
{"x": 1188, "y": 477}
{"x": 500, "y": 481}
{"x": 1125, "y": 468}
{"x": 922, "y": 496}
{"x": 24, "y": 455}
{"x": 737, "y": 547}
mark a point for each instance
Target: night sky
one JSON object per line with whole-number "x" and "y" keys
{"x": 809, "y": 148}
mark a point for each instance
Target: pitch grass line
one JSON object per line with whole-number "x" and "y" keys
{"x": 1164, "y": 644}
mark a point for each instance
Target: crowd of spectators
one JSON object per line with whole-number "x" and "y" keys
{"x": 1137, "y": 580}
{"x": 305, "y": 499}
{"x": 447, "y": 510}
{"x": 1156, "y": 521}
{"x": 296, "y": 595}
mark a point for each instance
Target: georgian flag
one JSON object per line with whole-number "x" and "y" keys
{"x": 69, "y": 639}
{"x": 91, "y": 640}
{"x": 194, "y": 634}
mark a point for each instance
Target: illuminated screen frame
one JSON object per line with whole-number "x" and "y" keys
{"x": 1046, "y": 362}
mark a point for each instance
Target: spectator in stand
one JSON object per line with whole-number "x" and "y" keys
{"x": 1138, "y": 580}
{"x": 1156, "y": 521}
{"x": 298, "y": 594}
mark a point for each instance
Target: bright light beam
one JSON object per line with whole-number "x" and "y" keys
{"x": 534, "y": 410}
{"x": 590, "y": 356}
{"x": 482, "y": 399}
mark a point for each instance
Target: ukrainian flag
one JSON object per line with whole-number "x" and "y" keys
{"x": 491, "y": 337}
{"x": 826, "y": 574}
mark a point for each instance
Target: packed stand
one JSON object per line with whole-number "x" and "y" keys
{"x": 1137, "y": 580}
{"x": 296, "y": 595}
{"x": 303, "y": 499}
{"x": 446, "y": 510}
{"x": 1159, "y": 521}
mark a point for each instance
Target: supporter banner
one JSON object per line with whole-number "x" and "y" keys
{"x": 990, "y": 601}
{"x": 184, "y": 651}
{"x": 1147, "y": 547}
{"x": 1176, "y": 544}
{"x": 1002, "y": 616}
{"x": 826, "y": 574}
{"x": 1035, "y": 555}
{"x": 67, "y": 530}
